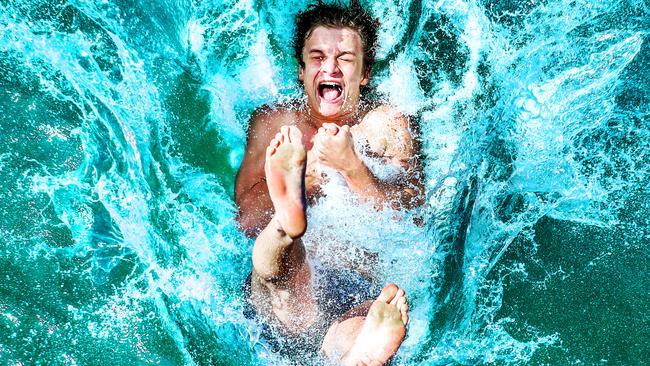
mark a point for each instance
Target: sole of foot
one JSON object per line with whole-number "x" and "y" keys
{"x": 285, "y": 170}
{"x": 383, "y": 329}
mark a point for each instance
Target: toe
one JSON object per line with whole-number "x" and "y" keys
{"x": 398, "y": 295}
{"x": 401, "y": 302}
{"x": 270, "y": 150}
{"x": 404, "y": 310}
{"x": 295, "y": 135}
{"x": 274, "y": 143}
{"x": 284, "y": 130}
{"x": 388, "y": 293}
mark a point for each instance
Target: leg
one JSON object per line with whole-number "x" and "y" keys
{"x": 281, "y": 276}
{"x": 371, "y": 339}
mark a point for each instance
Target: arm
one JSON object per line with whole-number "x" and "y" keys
{"x": 335, "y": 148}
{"x": 251, "y": 193}
{"x": 407, "y": 193}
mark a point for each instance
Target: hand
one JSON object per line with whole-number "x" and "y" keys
{"x": 334, "y": 147}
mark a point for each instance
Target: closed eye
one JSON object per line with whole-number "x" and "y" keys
{"x": 316, "y": 55}
{"x": 346, "y": 56}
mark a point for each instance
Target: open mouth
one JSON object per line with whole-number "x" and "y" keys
{"x": 330, "y": 91}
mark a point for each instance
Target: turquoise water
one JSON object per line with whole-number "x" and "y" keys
{"x": 122, "y": 125}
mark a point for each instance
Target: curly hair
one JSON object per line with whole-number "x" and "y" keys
{"x": 338, "y": 16}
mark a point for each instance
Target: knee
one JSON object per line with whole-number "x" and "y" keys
{"x": 275, "y": 278}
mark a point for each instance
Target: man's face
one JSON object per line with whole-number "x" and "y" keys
{"x": 333, "y": 72}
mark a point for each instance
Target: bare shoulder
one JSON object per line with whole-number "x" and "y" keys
{"x": 387, "y": 116}
{"x": 389, "y": 132}
{"x": 267, "y": 120}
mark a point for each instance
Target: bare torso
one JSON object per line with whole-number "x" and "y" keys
{"x": 383, "y": 133}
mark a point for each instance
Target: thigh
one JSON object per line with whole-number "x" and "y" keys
{"x": 290, "y": 304}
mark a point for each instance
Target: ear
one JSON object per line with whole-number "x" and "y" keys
{"x": 301, "y": 73}
{"x": 366, "y": 78}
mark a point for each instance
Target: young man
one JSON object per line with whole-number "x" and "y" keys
{"x": 335, "y": 48}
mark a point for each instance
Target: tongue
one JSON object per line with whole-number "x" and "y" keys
{"x": 330, "y": 94}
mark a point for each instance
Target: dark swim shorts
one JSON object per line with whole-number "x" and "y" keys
{"x": 337, "y": 292}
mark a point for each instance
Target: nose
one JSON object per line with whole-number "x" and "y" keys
{"x": 330, "y": 66}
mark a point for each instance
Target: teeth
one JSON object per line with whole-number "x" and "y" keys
{"x": 331, "y": 85}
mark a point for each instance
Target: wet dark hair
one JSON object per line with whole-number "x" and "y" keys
{"x": 338, "y": 16}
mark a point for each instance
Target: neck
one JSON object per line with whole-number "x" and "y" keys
{"x": 351, "y": 118}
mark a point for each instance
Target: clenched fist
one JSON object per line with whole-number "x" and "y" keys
{"x": 334, "y": 147}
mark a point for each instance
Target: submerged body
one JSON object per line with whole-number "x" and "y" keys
{"x": 281, "y": 172}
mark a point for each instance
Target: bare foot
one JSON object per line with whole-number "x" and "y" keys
{"x": 383, "y": 329}
{"x": 285, "y": 172}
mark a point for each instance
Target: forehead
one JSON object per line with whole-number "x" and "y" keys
{"x": 330, "y": 39}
